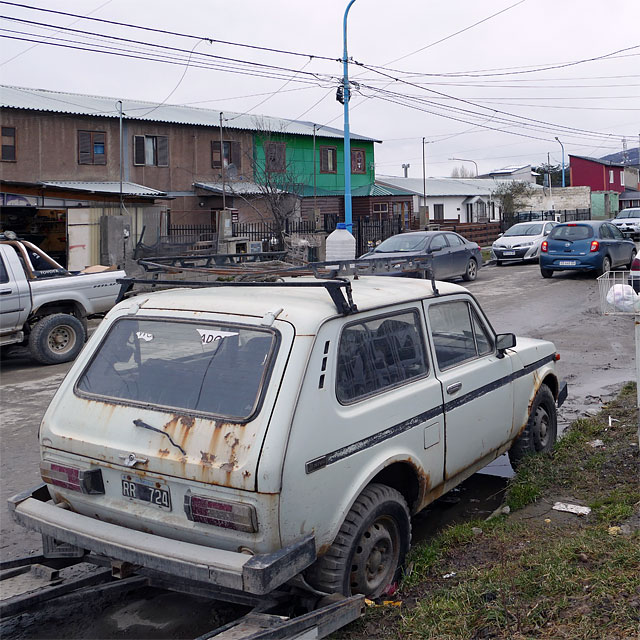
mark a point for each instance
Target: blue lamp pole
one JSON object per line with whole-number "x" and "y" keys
{"x": 558, "y": 139}
{"x": 347, "y": 140}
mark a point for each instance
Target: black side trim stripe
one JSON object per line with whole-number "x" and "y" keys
{"x": 370, "y": 441}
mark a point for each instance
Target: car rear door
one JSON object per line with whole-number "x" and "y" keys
{"x": 460, "y": 253}
{"x": 478, "y": 395}
{"x": 442, "y": 259}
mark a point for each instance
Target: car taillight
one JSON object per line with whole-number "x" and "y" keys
{"x": 544, "y": 247}
{"x": 228, "y": 515}
{"x": 595, "y": 245}
{"x": 86, "y": 481}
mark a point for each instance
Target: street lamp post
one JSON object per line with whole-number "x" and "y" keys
{"x": 465, "y": 160}
{"x": 558, "y": 139}
{"x": 347, "y": 141}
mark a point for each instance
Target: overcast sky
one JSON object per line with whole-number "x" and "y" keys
{"x": 474, "y": 78}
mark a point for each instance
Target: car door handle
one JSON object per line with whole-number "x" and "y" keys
{"x": 5, "y": 292}
{"x": 454, "y": 388}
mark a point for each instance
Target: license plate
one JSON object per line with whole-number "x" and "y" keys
{"x": 509, "y": 253}
{"x": 568, "y": 263}
{"x": 146, "y": 492}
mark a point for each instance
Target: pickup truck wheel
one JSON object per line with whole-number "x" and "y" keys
{"x": 370, "y": 547}
{"x": 471, "y": 272}
{"x": 539, "y": 435}
{"x": 57, "y": 338}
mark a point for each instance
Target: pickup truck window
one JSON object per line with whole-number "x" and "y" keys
{"x": 204, "y": 368}
{"x": 4, "y": 276}
{"x": 378, "y": 354}
{"x": 458, "y": 333}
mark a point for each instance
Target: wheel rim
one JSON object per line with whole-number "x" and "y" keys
{"x": 606, "y": 265}
{"x": 542, "y": 424}
{"x": 471, "y": 269}
{"x": 62, "y": 339}
{"x": 376, "y": 558}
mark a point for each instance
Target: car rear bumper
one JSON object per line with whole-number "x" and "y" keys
{"x": 569, "y": 262}
{"x": 258, "y": 574}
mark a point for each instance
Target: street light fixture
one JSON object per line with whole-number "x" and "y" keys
{"x": 465, "y": 160}
{"x": 347, "y": 141}
{"x": 558, "y": 140}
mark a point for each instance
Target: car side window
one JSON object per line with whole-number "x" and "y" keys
{"x": 378, "y": 354}
{"x": 437, "y": 242}
{"x": 615, "y": 232}
{"x": 458, "y": 334}
{"x": 605, "y": 232}
{"x": 4, "y": 276}
{"x": 454, "y": 240}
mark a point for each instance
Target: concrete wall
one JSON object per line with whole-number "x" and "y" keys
{"x": 560, "y": 198}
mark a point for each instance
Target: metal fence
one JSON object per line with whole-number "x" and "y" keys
{"x": 555, "y": 215}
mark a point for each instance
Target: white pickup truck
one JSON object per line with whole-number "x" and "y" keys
{"x": 44, "y": 306}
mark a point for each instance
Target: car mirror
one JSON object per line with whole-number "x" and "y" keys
{"x": 500, "y": 235}
{"x": 504, "y": 341}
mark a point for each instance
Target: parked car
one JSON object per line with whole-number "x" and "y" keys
{"x": 521, "y": 241}
{"x": 239, "y": 436}
{"x": 628, "y": 221}
{"x": 45, "y": 307}
{"x": 590, "y": 245}
{"x": 453, "y": 256}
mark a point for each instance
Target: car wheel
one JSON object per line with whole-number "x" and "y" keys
{"x": 605, "y": 266}
{"x": 540, "y": 432}
{"x": 634, "y": 253}
{"x": 546, "y": 273}
{"x": 472, "y": 271}
{"x": 499, "y": 263}
{"x": 370, "y": 548}
{"x": 57, "y": 338}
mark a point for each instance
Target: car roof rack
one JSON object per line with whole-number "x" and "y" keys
{"x": 332, "y": 275}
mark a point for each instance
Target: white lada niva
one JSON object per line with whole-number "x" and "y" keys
{"x": 248, "y": 436}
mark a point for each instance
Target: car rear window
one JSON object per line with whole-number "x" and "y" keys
{"x": 204, "y": 368}
{"x": 571, "y": 232}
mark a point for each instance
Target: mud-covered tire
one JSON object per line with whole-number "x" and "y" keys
{"x": 57, "y": 338}
{"x": 539, "y": 435}
{"x": 471, "y": 272}
{"x": 546, "y": 273}
{"x": 370, "y": 548}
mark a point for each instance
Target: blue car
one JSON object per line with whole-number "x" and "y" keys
{"x": 589, "y": 245}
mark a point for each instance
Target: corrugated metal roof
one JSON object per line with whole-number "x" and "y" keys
{"x": 239, "y": 187}
{"x": 368, "y": 190}
{"x": 606, "y": 163}
{"x": 79, "y": 104}
{"x": 128, "y": 188}
{"x": 441, "y": 187}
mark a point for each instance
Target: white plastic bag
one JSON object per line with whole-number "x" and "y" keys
{"x": 623, "y": 298}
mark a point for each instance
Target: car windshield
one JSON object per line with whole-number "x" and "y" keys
{"x": 629, "y": 213}
{"x": 571, "y": 232}
{"x": 524, "y": 229}
{"x": 206, "y": 368}
{"x": 402, "y": 242}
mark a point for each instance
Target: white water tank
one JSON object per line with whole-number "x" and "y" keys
{"x": 341, "y": 245}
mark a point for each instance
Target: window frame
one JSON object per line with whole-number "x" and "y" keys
{"x": 234, "y": 156}
{"x": 260, "y": 396}
{"x": 92, "y": 142}
{"x": 381, "y": 204}
{"x": 157, "y": 150}
{"x": 440, "y": 210}
{"x": 334, "y": 150}
{"x": 14, "y": 146}
{"x": 354, "y": 152}
{"x": 424, "y": 345}
{"x": 281, "y": 162}
{"x": 481, "y": 319}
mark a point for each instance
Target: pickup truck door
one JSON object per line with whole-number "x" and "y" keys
{"x": 478, "y": 395}
{"x": 15, "y": 299}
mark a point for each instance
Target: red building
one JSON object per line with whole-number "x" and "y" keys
{"x": 600, "y": 175}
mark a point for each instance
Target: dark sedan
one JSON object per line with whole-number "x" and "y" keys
{"x": 453, "y": 256}
{"x": 589, "y": 245}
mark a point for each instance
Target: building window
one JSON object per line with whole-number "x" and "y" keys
{"x": 328, "y": 159}
{"x": 275, "y": 154}
{"x": 438, "y": 212}
{"x": 151, "y": 151}
{"x": 92, "y": 147}
{"x": 9, "y": 144}
{"x": 622, "y": 177}
{"x": 380, "y": 207}
{"x": 610, "y": 176}
{"x": 358, "y": 161}
{"x": 231, "y": 154}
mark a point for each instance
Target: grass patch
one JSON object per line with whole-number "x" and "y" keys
{"x": 537, "y": 573}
